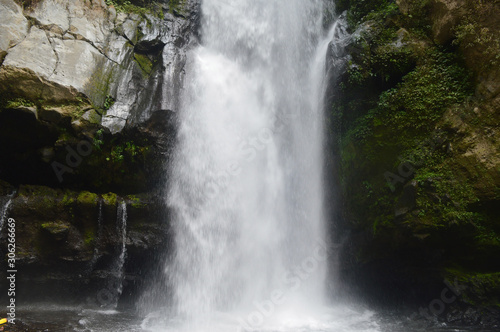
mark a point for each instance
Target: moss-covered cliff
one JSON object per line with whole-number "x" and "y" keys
{"x": 416, "y": 141}
{"x": 68, "y": 243}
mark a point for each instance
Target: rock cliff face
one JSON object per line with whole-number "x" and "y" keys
{"x": 69, "y": 51}
{"x": 416, "y": 141}
{"x": 89, "y": 91}
{"x": 81, "y": 70}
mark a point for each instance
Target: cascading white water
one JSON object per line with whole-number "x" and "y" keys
{"x": 5, "y": 209}
{"x": 119, "y": 265}
{"x": 246, "y": 179}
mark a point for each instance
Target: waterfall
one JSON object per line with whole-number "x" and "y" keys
{"x": 122, "y": 230}
{"x": 246, "y": 181}
{"x": 5, "y": 209}
{"x": 118, "y": 269}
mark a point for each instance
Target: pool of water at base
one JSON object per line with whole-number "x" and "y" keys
{"x": 49, "y": 318}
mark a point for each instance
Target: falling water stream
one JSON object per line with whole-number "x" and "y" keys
{"x": 246, "y": 181}
{"x": 5, "y": 209}
{"x": 121, "y": 230}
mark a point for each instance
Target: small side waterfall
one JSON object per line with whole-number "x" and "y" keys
{"x": 122, "y": 230}
{"x": 5, "y": 209}
{"x": 118, "y": 268}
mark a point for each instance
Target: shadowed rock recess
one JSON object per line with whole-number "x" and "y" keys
{"x": 89, "y": 92}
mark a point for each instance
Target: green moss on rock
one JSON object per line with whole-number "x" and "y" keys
{"x": 110, "y": 198}
{"x": 478, "y": 288}
{"x": 135, "y": 201}
{"x": 57, "y": 230}
{"x": 87, "y": 198}
{"x": 90, "y": 237}
{"x": 177, "y": 6}
{"x": 140, "y": 7}
{"x": 68, "y": 199}
{"x": 144, "y": 63}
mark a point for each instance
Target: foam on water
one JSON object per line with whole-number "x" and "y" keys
{"x": 332, "y": 319}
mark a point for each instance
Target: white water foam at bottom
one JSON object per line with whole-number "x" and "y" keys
{"x": 334, "y": 319}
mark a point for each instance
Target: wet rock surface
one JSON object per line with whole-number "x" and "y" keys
{"x": 68, "y": 243}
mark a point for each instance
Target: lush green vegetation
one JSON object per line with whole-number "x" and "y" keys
{"x": 400, "y": 126}
{"x": 152, "y": 7}
{"x": 110, "y": 198}
{"x": 140, "y": 7}
{"x": 18, "y": 102}
{"x": 108, "y": 102}
{"x": 360, "y": 10}
{"x": 410, "y": 89}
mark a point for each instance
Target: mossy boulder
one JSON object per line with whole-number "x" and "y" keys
{"x": 479, "y": 288}
{"x": 87, "y": 198}
{"x": 92, "y": 116}
{"x": 110, "y": 199}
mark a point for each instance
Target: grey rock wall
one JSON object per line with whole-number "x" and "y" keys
{"x": 62, "y": 51}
